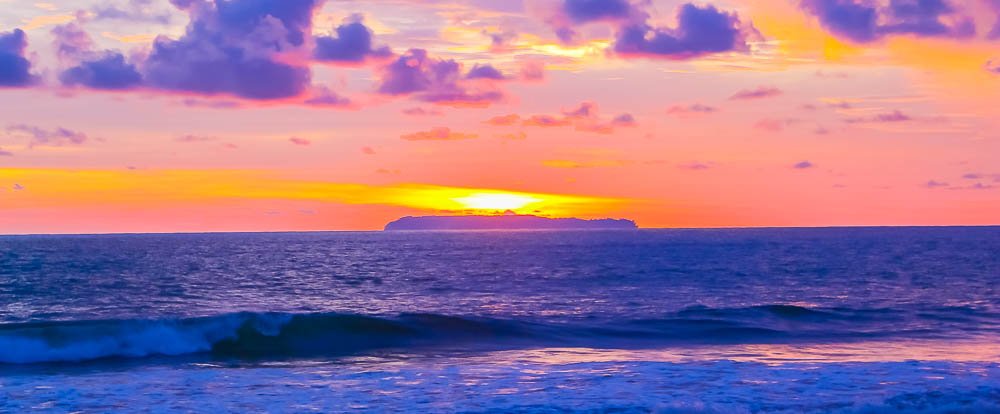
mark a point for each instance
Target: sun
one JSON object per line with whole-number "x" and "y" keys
{"x": 496, "y": 201}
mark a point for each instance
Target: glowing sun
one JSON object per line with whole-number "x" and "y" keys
{"x": 496, "y": 201}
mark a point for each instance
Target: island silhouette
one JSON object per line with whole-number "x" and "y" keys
{"x": 507, "y": 221}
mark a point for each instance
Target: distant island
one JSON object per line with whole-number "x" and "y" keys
{"x": 506, "y": 222}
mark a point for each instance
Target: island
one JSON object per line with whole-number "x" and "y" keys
{"x": 506, "y": 222}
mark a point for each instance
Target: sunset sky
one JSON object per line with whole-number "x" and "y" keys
{"x": 254, "y": 115}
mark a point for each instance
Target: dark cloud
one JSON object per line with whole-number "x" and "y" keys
{"x": 96, "y": 70}
{"x": 583, "y": 11}
{"x": 38, "y": 136}
{"x": 434, "y": 80}
{"x": 353, "y": 43}
{"x": 15, "y": 69}
{"x": 864, "y": 21}
{"x": 699, "y": 31}
{"x": 758, "y": 93}
{"x": 574, "y": 13}
{"x": 108, "y": 72}
{"x": 485, "y": 72}
{"x": 846, "y": 18}
{"x": 235, "y": 47}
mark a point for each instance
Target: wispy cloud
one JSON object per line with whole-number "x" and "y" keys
{"x": 38, "y": 136}
{"x": 761, "y": 92}
{"x": 438, "y": 134}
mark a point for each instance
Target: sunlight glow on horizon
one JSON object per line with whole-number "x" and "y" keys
{"x": 497, "y": 201}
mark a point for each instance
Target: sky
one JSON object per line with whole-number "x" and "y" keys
{"x": 274, "y": 115}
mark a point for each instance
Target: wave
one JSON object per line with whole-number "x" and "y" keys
{"x": 274, "y": 335}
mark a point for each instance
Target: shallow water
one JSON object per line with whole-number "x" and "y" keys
{"x": 751, "y": 320}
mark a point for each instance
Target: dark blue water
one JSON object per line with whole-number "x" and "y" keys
{"x": 766, "y": 320}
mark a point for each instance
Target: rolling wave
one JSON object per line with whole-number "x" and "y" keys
{"x": 276, "y": 335}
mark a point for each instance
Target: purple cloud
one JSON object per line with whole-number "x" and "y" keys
{"x": 235, "y": 48}
{"x": 5, "y": 153}
{"x": 623, "y": 120}
{"x": 584, "y": 11}
{"x": 545, "y": 121}
{"x": 888, "y": 117}
{"x": 71, "y": 42}
{"x": 803, "y": 165}
{"x": 418, "y": 111}
{"x": 695, "y": 166}
{"x": 935, "y": 184}
{"x": 109, "y": 72}
{"x": 433, "y": 80}
{"x": 863, "y": 21}
{"x": 585, "y": 110}
{"x": 323, "y": 96}
{"x": 699, "y": 31}
{"x": 994, "y": 66}
{"x": 15, "y": 69}
{"x": 135, "y": 10}
{"x": 485, "y": 72}
{"x": 106, "y": 70}
{"x": 352, "y": 44}
{"x": 681, "y": 110}
{"x": 44, "y": 137}
{"x": 759, "y": 93}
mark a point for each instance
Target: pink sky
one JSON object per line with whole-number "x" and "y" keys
{"x": 194, "y": 115}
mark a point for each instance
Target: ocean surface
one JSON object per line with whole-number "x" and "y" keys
{"x": 839, "y": 320}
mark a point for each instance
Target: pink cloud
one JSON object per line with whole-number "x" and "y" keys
{"x": 760, "y": 92}
{"x": 438, "y": 134}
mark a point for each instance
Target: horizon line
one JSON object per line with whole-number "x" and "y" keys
{"x": 846, "y": 226}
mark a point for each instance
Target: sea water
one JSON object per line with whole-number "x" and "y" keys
{"x": 839, "y": 320}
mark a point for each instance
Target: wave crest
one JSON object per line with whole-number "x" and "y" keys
{"x": 263, "y": 335}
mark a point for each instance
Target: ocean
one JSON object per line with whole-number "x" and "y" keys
{"x": 830, "y": 320}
